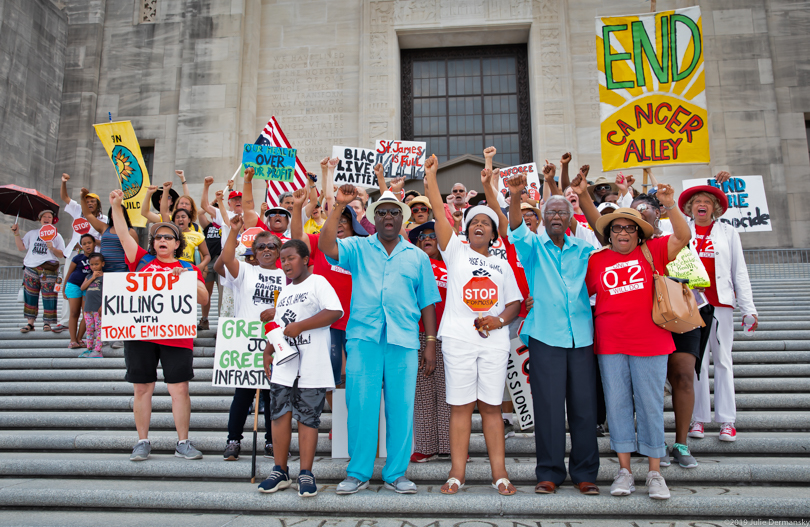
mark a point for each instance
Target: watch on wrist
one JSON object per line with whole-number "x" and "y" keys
{"x": 502, "y": 321}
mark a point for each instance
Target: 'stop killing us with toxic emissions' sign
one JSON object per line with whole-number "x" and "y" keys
{"x": 652, "y": 90}
{"x": 269, "y": 162}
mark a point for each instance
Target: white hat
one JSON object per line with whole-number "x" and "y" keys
{"x": 388, "y": 197}
{"x": 472, "y": 212}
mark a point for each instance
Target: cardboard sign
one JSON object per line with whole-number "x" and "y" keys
{"x": 270, "y": 162}
{"x": 238, "y": 361}
{"x": 532, "y": 179}
{"x": 401, "y": 158}
{"x": 517, "y": 381}
{"x": 355, "y": 166}
{"x": 47, "y": 233}
{"x": 747, "y": 205}
{"x": 247, "y": 237}
{"x": 340, "y": 429}
{"x": 81, "y": 226}
{"x": 652, "y": 90}
{"x": 149, "y": 306}
{"x": 480, "y": 294}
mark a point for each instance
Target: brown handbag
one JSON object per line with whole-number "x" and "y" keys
{"x": 674, "y": 306}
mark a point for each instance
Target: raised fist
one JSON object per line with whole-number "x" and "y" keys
{"x": 489, "y": 152}
{"x": 566, "y": 158}
{"x": 346, "y": 194}
{"x": 65, "y": 178}
{"x": 516, "y": 184}
{"x": 237, "y": 222}
{"x": 208, "y": 181}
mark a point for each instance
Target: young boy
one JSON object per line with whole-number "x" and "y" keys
{"x": 92, "y": 304}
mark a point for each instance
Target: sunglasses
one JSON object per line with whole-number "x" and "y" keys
{"x": 419, "y": 209}
{"x": 423, "y": 236}
{"x": 483, "y": 333}
{"x": 274, "y": 214}
{"x": 459, "y": 191}
{"x": 530, "y": 215}
{"x": 642, "y": 207}
{"x": 167, "y": 237}
{"x": 266, "y": 246}
{"x": 387, "y": 212}
{"x": 629, "y": 229}
{"x": 602, "y": 187}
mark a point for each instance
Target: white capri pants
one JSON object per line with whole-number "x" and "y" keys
{"x": 721, "y": 339}
{"x": 473, "y": 372}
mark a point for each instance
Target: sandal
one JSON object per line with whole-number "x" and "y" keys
{"x": 26, "y": 328}
{"x": 506, "y": 483}
{"x": 450, "y": 482}
{"x": 46, "y": 327}
{"x": 75, "y": 346}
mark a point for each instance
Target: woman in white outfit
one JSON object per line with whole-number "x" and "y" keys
{"x": 475, "y": 347}
{"x": 719, "y": 248}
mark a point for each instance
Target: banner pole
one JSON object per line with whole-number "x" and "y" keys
{"x": 255, "y": 428}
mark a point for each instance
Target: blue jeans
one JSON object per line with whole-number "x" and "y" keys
{"x": 336, "y": 352}
{"x": 628, "y": 379}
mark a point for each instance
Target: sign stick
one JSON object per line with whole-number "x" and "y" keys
{"x": 255, "y": 425}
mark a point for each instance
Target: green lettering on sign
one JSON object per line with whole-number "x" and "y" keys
{"x": 696, "y": 39}
{"x": 611, "y": 58}
{"x": 643, "y": 46}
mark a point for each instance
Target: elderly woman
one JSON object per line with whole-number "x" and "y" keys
{"x": 421, "y": 212}
{"x": 719, "y": 248}
{"x": 632, "y": 350}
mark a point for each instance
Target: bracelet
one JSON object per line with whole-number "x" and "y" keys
{"x": 430, "y": 338}
{"x": 670, "y": 208}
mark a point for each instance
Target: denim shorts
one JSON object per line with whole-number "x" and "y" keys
{"x": 635, "y": 382}
{"x": 73, "y": 291}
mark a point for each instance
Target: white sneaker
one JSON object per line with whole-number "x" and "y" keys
{"x": 623, "y": 484}
{"x": 656, "y": 486}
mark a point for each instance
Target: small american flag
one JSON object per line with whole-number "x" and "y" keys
{"x": 272, "y": 135}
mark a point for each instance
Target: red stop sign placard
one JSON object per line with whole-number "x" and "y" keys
{"x": 81, "y": 225}
{"x": 249, "y": 235}
{"x": 480, "y": 294}
{"x": 47, "y": 233}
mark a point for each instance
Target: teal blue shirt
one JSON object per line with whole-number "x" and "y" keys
{"x": 388, "y": 291}
{"x": 561, "y": 316}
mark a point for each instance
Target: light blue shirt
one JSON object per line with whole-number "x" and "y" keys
{"x": 561, "y": 316}
{"x": 388, "y": 291}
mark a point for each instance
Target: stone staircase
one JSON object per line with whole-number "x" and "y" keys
{"x": 66, "y": 431}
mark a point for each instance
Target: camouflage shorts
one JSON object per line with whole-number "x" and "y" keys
{"x": 306, "y": 404}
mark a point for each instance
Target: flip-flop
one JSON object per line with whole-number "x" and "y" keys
{"x": 450, "y": 482}
{"x": 46, "y": 327}
{"x": 505, "y": 482}
{"x": 74, "y": 346}
{"x": 26, "y": 328}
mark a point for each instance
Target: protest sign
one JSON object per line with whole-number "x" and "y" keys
{"x": 652, "y": 90}
{"x": 269, "y": 162}
{"x": 401, "y": 158}
{"x": 81, "y": 226}
{"x": 238, "y": 361}
{"x": 747, "y": 206}
{"x": 355, "y": 166}
{"x": 149, "y": 306}
{"x": 480, "y": 294}
{"x": 47, "y": 233}
{"x": 687, "y": 265}
{"x": 517, "y": 381}
{"x": 532, "y": 179}
{"x": 247, "y": 237}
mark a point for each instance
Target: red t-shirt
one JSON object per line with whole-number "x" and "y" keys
{"x": 338, "y": 277}
{"x": 158, "y": 266}
{"x": 624, "y": 295}
{"x": 440, "y": 272}
{"x": 520, "y": 274}
{"x": 583, "y": 221}
{"x": 705, "y": 250}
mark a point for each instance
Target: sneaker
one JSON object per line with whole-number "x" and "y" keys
{"x": 600, "y": 431}
{"x": 623, "y": 484}
{"x": 401, "y": 485}
{"x": 656, "y": 486}
{"x": 508, "y": 429}
{"x": 118, "y": 344}
{"x": 279, "y": 479}
{"x": 187, "y": 450}
{"x": 350, "y": 485}
{"x": 96, "y": 354}
{"x": 85, "y": 354}
{"x": 141, "y": 451}
{"x": 203, "y": 325}
{"x": 665, "y": 461}
{"x": 232, "y": 450}
{"x": 682, "y": 456}
{"x": 58, "y": 328}
{"x": 268, "y": 450}
{"x": 728, "y": 432}
{"x": 696, "y": 430}
{"x": 306, "y": 484}
{"x": 416, "y": 457}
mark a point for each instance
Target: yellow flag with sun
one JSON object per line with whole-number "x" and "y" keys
{"x": 652, "y": 89}
{"x": 122, "y": 146}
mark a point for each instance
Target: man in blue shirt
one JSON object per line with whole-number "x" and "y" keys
{"x": 392, "y": 288}
{"x": 559, "y": 333}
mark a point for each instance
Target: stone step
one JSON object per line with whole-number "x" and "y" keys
{"x": 88, "y": 364}
{"x": 771, "y": 345}
{"x": 61, "y": 340}
{"x": 62, "y": 352}
{"x": 706, "y": 501}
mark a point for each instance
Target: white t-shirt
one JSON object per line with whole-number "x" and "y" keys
{"x": 458, "y": 320}
{"x": 224, "y": 225}
{"x": 665, "y": 224}
{"x": 38, "y": 252}
{"x": 253, "y": 289}
{"x": 300, "y": 302}
{"x": 74, "y": 209}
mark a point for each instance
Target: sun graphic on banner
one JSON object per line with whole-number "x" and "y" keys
{"x": 129, "y": 170}
{"x": 124, "y": 164}
{"x": 652, "y": 89}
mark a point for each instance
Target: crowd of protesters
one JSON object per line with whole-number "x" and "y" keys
{"x": 376, "y": 291}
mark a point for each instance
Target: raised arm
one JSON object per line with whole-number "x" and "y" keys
{"x": 297, "y": 222}
{"x": 63, "y": 193}
{"x": 380, "y": 173}
{"x": 549, "y": 172}
{"x": 681, "y": 234}
{"x": 312, "y": 190}
{"x": 204, "y": 204}
{"x": 491, "y": 194}
{"x": 327, "y": 242}
{"x": 564, "y": 161}
{"x": 182, "y": 176}
{"x": 247, "y": 190}
{"x": 444, "y": 231}
{"x": 516, "y": 184}
{"x": 580, "y": 186}
{"x": 146, "y": 206}
{"x": 120, "y": 223}
{"x": 164, "y": 202}
{"x": 228, "y": 255}
{"x": 97, "y": 224}
{"x": 328, "y": 185}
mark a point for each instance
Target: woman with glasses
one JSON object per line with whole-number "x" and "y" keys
{"x": 482, "y": 299}
{"x": 421, "y": 212}
{"x": 631, "y": 349}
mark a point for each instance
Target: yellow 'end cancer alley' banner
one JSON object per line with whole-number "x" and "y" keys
{"x": 652, "y": 90}
{"x": 122, "y": 146}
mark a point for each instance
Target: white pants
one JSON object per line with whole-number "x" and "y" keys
{"x": 720, "y": 342}
{"x": 64, "y": 320}
{"x": 473, "y": 372}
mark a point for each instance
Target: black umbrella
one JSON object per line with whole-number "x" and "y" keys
{"x": 26, "y": 202}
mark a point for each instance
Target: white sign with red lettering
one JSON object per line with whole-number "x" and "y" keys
{"x": 47, "y": 233}
{"x": 480, "y": 294}
{"x": 532, "y": 179}
{"x": 149, "y": 306}
{"x": 517, "y": 381}
{"x": 401, "y": 158}
{"x": 81, "y": 226}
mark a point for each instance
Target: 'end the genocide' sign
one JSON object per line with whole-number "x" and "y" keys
{"x": 238, "y": 361}
{"x": 149, "y": 306}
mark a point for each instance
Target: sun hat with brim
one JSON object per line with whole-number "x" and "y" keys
{"x": 714, "y": 191}
{"x": 159, "y": 194}
{"x": 602, "y": 180}
{"x": 627, "y": 214}
{"x": 43, "y": 211}
{"x": 277, "y": 209}
{"x": 154, "y": 228}
{"x": 420, "y": 199}
{"x": 357, "y": 227}
{"x": 413, "y": 234}
{"x": 526, "y": 206}
{"x": 472, "y": 212}
{"x": 386, "y": 199}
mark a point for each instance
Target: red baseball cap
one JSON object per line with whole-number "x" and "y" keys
{"x": 234, "y": 194}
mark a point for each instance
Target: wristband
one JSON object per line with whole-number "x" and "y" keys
{"x": 670, "y": 208}
{"x": 430, "y": 338}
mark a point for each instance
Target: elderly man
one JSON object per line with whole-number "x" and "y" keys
{"x": 458, "y": 202}
{"x": 559, "y": 333}
{"x": 392, "y": 288}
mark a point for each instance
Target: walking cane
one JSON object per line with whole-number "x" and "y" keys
{"x": 255, "y": 424}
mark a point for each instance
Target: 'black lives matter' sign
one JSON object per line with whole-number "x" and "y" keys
{"x": 355, "y": 166}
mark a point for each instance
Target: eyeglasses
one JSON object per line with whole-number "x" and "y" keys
{"x": 387, "y": 212}
{"x": 530, "y": 215}
{"x": 423, "y": 236}
{"x": 560, "y": 213}
{"x": 343, "y": 221}
{"x": 459, "y": 191}
{"x": 266, "y": 246}
{"x": 602, "y": 187}
{"x": 419, "y": 209}
{"x": 274, "y": 214}
{"x": 167, "y": 237}
{"x": 629, "y": 229}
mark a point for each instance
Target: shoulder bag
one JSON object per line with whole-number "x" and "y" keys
{"x": 674, "y": 306}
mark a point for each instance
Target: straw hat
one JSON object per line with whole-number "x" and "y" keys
{"x": 602, "y": 180}
{"x": 627, "y": 214}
